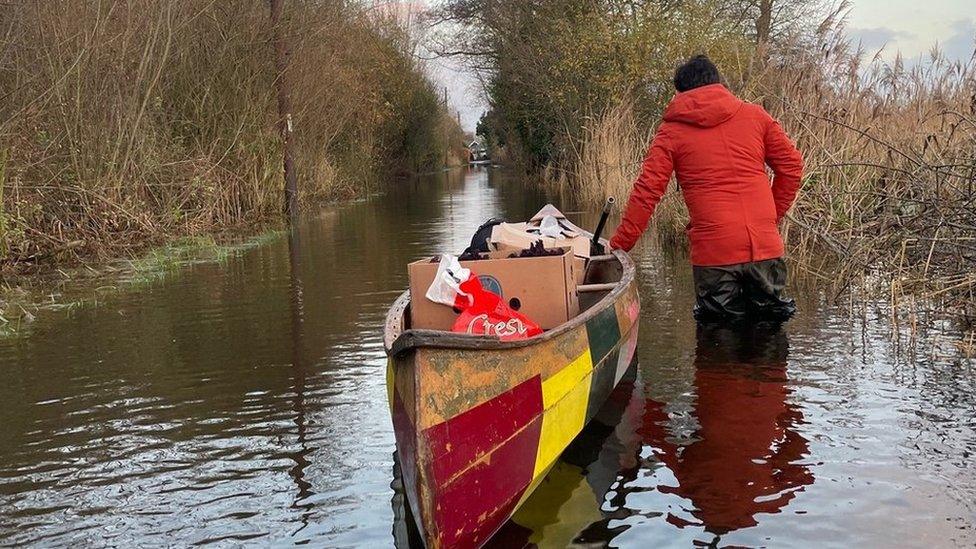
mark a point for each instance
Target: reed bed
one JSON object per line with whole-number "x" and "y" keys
{"x": 967, "y": 345}
{"x": 607, "y": 162}
{"x": 888, "y": 199}
{"x": 891, "y": 169}
{"x": 128, "y": 123}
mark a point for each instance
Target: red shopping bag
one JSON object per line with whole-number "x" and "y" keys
{"x": 487, "y": 314}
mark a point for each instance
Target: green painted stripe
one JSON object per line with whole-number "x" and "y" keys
{"x": 602, "y": 333}
{"x": 602, "y": 384}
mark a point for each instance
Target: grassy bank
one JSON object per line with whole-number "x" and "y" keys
{"x": 125, "y": 125}
{"x": 69, "y": 288}
{"x": 888, "y": 202}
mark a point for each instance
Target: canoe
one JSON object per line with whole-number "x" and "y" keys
{"x": 479, "y": 422}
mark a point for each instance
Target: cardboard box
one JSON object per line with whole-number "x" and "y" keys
{"x": 541, "y": 288}
{"x": 579, "y": 269}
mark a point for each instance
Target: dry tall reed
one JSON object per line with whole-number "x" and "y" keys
{"x": 124, "y": 123}
{"x": 608, "y": 161}
{"x": 891, "y": 166}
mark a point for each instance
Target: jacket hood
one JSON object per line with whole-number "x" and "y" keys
{"x": 705, "y": 107}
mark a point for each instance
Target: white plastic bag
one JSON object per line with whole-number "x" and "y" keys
{"x": 549, "y": 226}
{"x": 446, "y": 287}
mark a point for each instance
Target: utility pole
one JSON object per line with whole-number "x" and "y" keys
{"x": 447, "y": 129}
{"x": 284, "y": 110}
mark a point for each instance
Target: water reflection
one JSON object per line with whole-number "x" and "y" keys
{"x": 746, "y": 455}
{"x": 245, "y": 402}
{"x": 405, "y": 532}
{"x": 299, "y": 365}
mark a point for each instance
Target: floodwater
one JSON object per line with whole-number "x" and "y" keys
{"x": 244, "y": 403}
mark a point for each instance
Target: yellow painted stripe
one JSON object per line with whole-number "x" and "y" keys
{"x": 562, "y": 382}
{"x": 564, "y": 395}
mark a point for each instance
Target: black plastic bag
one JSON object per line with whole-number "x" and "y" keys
{"x": 479, "y": 242}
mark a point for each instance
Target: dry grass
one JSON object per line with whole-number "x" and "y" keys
{"x": 967, "y": 345}
{"x": 610, "y": 154}
{"x": 891, "y": 167}
{"x": 126, "y": 123}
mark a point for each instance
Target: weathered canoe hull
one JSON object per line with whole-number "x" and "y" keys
{"x": 477, "y": 429}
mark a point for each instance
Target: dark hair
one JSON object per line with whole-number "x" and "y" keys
{"x": 696, "y": 72}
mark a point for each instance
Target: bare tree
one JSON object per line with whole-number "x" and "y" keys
{"x": 775, "y": 21}
{"x": 764, "y": 22}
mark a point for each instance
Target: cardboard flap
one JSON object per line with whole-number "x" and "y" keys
{"x": 515, "y": 236}
{"x": 548, "y": 209}
{"x": 571, "y": 230}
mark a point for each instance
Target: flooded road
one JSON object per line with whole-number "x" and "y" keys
{"x": 245, "y": 403}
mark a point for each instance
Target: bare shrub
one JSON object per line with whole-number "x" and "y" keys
{"x": 891, "y": 165}
{"x": 890, "y": 151}
{"x": 124, "y": 123}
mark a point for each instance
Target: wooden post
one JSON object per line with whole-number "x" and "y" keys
{"x": 284, "y": 110}
{"x": 447, "y": 129}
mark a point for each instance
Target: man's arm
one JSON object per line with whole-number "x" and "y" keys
{"x": 647, "y": 192}
{"x": 787, "y": 164}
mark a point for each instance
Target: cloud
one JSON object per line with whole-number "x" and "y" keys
{"x": 874, "y": 38}
{"x": 961, "y": 44}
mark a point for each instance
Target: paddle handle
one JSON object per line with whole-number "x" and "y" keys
{"x": 603, "y": 222}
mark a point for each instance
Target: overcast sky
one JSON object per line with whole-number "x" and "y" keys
{"x": 909, "y": 26}
{"x": 914, "y": 26}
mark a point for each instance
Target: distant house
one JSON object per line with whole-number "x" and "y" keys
{"x": 477, "y": 150}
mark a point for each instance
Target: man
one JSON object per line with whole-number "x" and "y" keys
{"x": 719, "y": 147}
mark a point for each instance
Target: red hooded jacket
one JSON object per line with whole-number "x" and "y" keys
{"x": 719, "y": 147}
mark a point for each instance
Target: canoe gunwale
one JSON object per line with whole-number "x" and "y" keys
{"x": 398, "y": 341}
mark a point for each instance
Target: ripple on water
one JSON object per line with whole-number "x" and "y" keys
{"x": 244, "y": 403}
